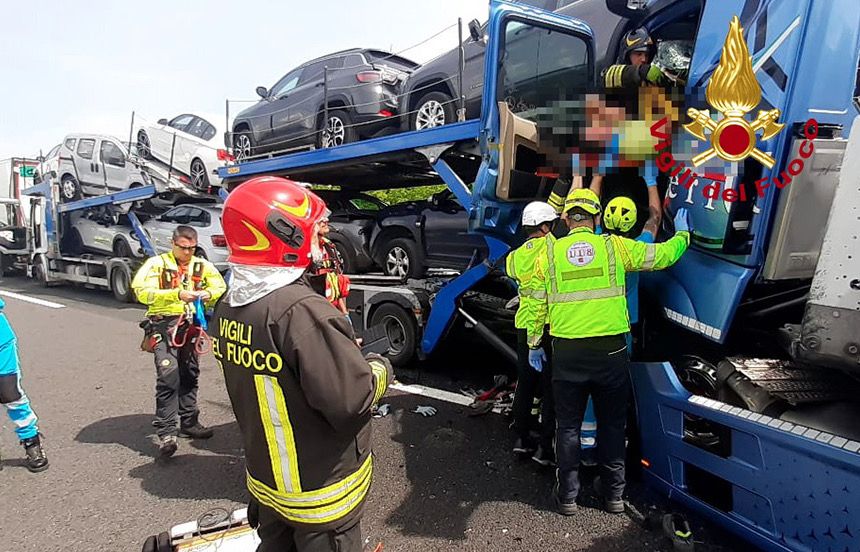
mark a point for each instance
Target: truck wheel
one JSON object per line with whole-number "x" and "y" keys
{"x": 401, "y": 330}
{"x": 401, "y": 258}
{"x": 434, "y": 109}
{"x": 120, "y": 284}
{"x": 40, "y": 272}
{"x": 70, "y": 190}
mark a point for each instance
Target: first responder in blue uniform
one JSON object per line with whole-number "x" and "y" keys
{"x": 583, "y": 275}
{"x": 17, "y": 403}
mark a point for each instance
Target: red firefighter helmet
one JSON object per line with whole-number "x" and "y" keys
{"x": 269, "y": 221}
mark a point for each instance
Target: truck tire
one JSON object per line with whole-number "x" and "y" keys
{"x": 40, "y": 271}
{"x": 401, "y": 330}
{"x": 401, "y": 257}
{"x": 120, "y": 284}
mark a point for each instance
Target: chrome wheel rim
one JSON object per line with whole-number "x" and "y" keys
{"x": 397, "y": 262}
{"x": 334, "y": 133}
{"x": 242, "y": 146}
{"x": 69, "y": 188}
{"x": 430, "y": 115}
{"x": 198, "y": 174}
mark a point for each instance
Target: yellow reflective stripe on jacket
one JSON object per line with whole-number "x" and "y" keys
{"x": 650, "y": 255}
{"x": 279, "y": 433}
{"x": 147, "y": 284}
{"x": 538, "y": 294}
{"x": 381, "y": 379}
{"x": 521, "y": 265}
{"x": 586, "y": 299}
{"x": 319, "y": 506}
{"x": 556, "y": 201}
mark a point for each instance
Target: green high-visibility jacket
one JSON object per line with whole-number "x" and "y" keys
{"x": 520, "y": 265}
{"x": 158, "y": 282}
{"x": 583, "y": 276}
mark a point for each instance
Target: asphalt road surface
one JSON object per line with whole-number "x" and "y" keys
{"x": 446, "y": 482}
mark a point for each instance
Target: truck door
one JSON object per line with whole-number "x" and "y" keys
{"x": 536, "y": 61}
{"x": 38, "y": 230}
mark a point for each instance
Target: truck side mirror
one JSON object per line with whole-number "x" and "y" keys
{"x": 475, "y": 31}
{"x": 262, "y": 92}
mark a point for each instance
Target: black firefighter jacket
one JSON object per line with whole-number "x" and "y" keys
{"x": 302, "y": 392}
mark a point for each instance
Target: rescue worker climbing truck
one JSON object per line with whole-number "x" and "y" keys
{"x": 300, "y": 387}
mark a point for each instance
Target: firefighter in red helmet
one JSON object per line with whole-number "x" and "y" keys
{"x": 300, "y": 388}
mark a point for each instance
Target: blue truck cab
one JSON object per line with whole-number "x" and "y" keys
{"x": 765, "y": 447}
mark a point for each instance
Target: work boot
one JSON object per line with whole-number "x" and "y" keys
{"x": 564, "y": 508}
{"x": 544, "y": 456}
{"x": 167, "y": 446}
{"x": 36, "y": 459}
{"x": 196, "y": 431}
{"x": 523, "y": 446}
{"x": 611, "y": 505}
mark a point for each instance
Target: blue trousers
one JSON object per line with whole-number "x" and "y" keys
{"x": 12, "y": 395}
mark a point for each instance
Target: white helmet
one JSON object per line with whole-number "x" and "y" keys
{"x": 537, "y": 213}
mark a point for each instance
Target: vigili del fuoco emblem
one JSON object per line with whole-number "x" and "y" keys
{"x": 734, "y": 91}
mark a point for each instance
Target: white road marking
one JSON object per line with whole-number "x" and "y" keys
{"x": 33, "y": 300}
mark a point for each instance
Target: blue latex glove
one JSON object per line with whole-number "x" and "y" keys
{"x": 200, "y": 314}
{"x": 536, "y": 359}
{"x": 682, "y": 221}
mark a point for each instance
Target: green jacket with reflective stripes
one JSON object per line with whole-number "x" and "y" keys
{"x": 520, "y": 265}
{"x": 583, "y": 276}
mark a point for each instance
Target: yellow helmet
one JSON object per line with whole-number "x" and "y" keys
{"x": 583, "y": 198}
{"x": 620, "y": 214}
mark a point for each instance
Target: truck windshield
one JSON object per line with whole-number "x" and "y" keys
{"x": 540, "y": 66}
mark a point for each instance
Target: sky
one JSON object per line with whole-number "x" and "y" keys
{"x": 70, "y": 67}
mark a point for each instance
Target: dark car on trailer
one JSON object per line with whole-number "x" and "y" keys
{"x": 411, "y": 237}
{"x": 328, "y": 101}
{"x": 430, "y": 95}
{"x": 352, "y": 221}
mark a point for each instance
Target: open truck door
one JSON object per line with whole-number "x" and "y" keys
{"x": 536, "y": 60}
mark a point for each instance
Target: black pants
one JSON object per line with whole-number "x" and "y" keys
{"x": 598, "y": 367}
{"x": 277, "y": 536}
{"x": 530, "y": 385}
{"x": 177, "y": 370}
